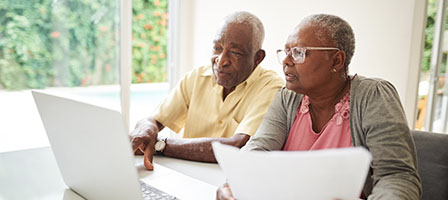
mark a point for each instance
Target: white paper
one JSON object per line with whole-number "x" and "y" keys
{"x": 322, "y": 174}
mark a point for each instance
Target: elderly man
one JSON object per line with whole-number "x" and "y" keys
{"x": 322, "y": 107}
{"x": 223, "y": 102}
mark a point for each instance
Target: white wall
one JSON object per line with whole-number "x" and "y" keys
{"x": 388, "y": 34}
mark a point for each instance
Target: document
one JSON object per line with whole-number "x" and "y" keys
{"x": 321, "y": 174}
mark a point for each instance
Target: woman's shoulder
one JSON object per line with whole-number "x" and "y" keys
{"x": 287, "y": 94}
{"x": 288, "y": 98}
{"x": 362, "y": 84}
{"x": 363, "y": 89}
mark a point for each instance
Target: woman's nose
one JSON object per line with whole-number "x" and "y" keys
{"x": 287, "y": 62}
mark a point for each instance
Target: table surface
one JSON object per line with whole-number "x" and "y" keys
{"x": 34, "y": 174}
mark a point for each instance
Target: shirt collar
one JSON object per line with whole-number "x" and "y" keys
{"x": 254, "y": 76}
{"x": 208, "y": 71}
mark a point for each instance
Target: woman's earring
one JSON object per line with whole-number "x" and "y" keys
{"x": 334, "y": 70}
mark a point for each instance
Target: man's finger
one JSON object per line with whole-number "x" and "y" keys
{"x": 147, "y": 158}
{"x": 136, "y": 143}
{"x": 139, "y": 151}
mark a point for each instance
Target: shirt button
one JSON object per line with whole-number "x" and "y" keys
{"x": 220, "y": 122}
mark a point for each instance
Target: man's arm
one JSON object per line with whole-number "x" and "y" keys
{"x": 200, "y": 149}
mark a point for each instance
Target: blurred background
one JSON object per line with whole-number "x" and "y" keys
{"x": 73, "y": 46}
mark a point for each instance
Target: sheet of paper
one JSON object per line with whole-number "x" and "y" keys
{"x": 324, "y": 174}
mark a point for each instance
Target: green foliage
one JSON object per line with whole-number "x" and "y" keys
{"x": 76, "y": 42}
{"x": 429, "y": 36}
{"x": 25, "y": 57}
{"x": 149, "y": 40}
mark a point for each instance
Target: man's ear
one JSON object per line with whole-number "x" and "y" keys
{"x": 339, "y": 60}
{"x": 259, "y": 56}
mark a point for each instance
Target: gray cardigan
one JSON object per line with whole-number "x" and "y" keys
{"x": 377, "y": 122}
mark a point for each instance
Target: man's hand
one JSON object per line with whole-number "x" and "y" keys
{"x": 224, "y": 193}
{"x": 143, "y": 139}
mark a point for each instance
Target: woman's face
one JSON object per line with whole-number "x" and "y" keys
{"x": 314, "y": 74}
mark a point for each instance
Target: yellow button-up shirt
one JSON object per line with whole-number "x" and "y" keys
{"x": 196, "y": 104}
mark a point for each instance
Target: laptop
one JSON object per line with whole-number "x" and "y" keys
{"x": 323, "y": 174}
{"x": 92, "y": 149}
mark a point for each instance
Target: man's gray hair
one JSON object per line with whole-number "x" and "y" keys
{"x": 338, "y": 30}
{"x": 244, "y": 17}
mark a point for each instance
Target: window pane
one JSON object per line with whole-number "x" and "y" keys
{"x": 70, "y": 46}
{"x": 149, "y": 56}
{"x": 440, "y": 103}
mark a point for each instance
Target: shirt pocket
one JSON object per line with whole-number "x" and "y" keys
{"x": 231, "y": 127}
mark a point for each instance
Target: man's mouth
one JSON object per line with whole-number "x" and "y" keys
{"x": 220, "y": 72}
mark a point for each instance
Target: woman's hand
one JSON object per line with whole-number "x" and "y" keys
{"x": 224, "y": 193}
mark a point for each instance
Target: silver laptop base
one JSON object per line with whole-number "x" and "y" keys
{"x": 152, "y": 193}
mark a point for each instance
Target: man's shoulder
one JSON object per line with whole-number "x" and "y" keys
{"x": 270, "y": 76}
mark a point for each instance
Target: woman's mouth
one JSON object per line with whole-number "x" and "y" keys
{"x": 290, "y": 77}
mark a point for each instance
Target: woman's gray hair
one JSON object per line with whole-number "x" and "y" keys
{"x": 244, "y": 17}
{"x": 338, "y": 30}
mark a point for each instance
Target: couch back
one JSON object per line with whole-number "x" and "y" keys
{"x": 432, "y": 155}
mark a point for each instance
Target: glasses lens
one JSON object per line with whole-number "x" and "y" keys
{"x": 298, "y": 54}
{"x": 281, "y": 55}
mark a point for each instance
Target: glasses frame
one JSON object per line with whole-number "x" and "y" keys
{"x": 303, "y": 50}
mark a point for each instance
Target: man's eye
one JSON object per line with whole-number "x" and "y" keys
{"x": 217, "y": 48}
{"x": 237, "y": 53}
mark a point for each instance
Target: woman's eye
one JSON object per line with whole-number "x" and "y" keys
{"x": 298, "y": 53}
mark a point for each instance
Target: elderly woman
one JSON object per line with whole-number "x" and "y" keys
{"x": 322, "y": 107}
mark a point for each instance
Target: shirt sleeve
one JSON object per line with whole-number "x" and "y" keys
{"x": 394, "y": 167}
{"x": 172, "y": 111}
{"x": 258, "y": 107}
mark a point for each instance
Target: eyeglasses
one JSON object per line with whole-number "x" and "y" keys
{"x": 298, "y": 54}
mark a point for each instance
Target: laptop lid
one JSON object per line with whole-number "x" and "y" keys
{"x": 323, "y": 174}
{"x": 91, "y": 147}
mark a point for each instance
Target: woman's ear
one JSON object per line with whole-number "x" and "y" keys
{"x": 259, "y": 56}
{"x": 339, "y": 60}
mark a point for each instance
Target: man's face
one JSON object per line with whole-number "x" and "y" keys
{"x": 233, "y": 58}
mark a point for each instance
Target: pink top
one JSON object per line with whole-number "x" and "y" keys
{"x": 335, "y": 134}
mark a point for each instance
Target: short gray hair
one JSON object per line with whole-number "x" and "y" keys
{"x": 244, "y": 17}
{"x": 338, "y": 30}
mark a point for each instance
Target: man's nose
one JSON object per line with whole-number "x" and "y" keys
{"x": 222, "y": 60}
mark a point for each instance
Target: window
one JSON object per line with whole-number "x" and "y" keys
{"x": 69, "y": 46}
{"x": 149, "y": 56}
{"x": 433, "y": 88}
{"x": 73, "y": 46}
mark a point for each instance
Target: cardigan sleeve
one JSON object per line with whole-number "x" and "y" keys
{"x": 387, "y": 136}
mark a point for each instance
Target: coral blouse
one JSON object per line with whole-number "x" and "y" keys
{"x": 335, "y": 134}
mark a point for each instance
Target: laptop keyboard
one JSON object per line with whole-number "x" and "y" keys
{"x": 152, "y": 193}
